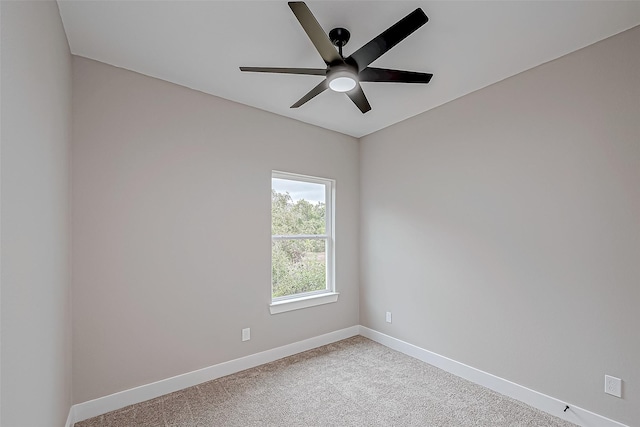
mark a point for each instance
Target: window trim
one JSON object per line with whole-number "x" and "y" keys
{"x": 323, "y": 296}
{"x": 306, "y": 301}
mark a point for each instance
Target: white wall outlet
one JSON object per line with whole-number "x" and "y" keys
{"x": 388, "y": 318}
{"x": 613, "y": 386}
{"x": 246, "y": 334}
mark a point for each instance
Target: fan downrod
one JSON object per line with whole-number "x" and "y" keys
{"x": 339, "y": 37}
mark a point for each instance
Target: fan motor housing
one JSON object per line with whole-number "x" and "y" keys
{"x": 342, "y": 77}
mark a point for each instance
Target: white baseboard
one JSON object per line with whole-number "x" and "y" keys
{"x": 533, "y": 398}
{"x": 548, "y": 404}
{"x": 71, "y": 419}
{"x": 102, "y": 405}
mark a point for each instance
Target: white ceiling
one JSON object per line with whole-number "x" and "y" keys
{"x": 467, "y": 45}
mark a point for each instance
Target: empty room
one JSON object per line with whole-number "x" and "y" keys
{"x": 320, "y": 213}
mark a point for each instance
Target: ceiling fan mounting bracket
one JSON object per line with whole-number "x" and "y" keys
{"x": 339, "y": 36}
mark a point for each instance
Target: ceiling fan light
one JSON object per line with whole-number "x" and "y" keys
{"x": 342, "y": 81}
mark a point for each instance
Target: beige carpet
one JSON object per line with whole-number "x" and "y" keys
{"x": 355, "y": 382}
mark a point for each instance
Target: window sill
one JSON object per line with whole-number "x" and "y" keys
{"x": 304, "y": 302}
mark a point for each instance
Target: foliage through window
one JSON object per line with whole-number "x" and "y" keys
{"x": 301, "y": 236}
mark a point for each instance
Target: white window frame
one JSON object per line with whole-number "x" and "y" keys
{"x": 324, "y": 296}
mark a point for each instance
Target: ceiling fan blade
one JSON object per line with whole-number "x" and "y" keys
{"x": 371, "y": 74}
{"x": 389, "y": 38}
{"x": 312, "y": 93}
{"x": 358, "y": 98}
{"x": 315, "y": 32}
{"x": 305, "y": 71}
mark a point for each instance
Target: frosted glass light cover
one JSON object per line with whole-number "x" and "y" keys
{"x": 342, "y": 84}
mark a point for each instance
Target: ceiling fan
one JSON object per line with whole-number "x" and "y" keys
{"x": 345, "y": 74}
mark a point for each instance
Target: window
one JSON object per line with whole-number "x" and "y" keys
{"x": 301, "y": 242}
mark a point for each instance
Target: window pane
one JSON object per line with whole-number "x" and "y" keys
{"x": 298, "y": 266}
{"x": 297, "y": 207}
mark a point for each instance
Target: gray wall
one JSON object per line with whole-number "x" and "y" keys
{"x": 36, "y": 126}
{"x": 502, "y": 229}
{"x": 171, "y": 228}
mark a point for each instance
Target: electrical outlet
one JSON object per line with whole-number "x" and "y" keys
{"x": 388, "y": 318}
{"x": 246, "y": 334}
{"x": 613, "y": 386}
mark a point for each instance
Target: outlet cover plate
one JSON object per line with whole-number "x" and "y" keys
{"x": 246, "y": 334}
{"x": 388, "y": 318}
{"x": 613, "y": 386}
